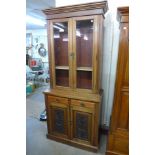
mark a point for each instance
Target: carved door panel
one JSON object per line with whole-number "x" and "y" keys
{"x": 118, "y": 140}
{"x": 120, "y": 119}
{"x": 59, "y": 116}
{"x": 82, "y": 122}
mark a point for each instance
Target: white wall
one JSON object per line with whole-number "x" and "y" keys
{"x": 111, "y": 42}
{"x": 111, "y": 39}
{"x": 71, "y": 2}
{"x": 41, "y": 34}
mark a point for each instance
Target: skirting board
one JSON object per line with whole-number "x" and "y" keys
{"x": 73, "y": 143}
{"x": 113, "y": 153}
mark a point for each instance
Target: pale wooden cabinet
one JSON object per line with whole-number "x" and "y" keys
{"x": 75, "y": 35}
{"x": 118, "y": 138}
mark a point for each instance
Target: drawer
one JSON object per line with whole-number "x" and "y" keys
{"x": 80, "y": 103}
{"x": 57, "y": 99}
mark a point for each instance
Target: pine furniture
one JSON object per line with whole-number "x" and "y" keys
{"x": 118, "y": 139}
{"x": 75, "y": 36}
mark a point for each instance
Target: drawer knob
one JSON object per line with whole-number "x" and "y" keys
{"x": 57, "y": 100}
{"x": 82, "y": 104}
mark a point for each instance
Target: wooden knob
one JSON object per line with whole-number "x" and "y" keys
{"x": 82, "y": 104}
{"x": 57, "y": 100}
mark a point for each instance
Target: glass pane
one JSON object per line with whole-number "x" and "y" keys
{"x": 61, "y": 43}
{"x": 60, "y": 30}
{"x": 62, "y": 77}
{"x": 84, "y": 79}
{"x": 84, "y": 43}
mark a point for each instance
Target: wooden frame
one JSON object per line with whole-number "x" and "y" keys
{"x": 72, "y": 53}
{"x": 65, "y": 110}
{"x": 73, "y": 104}
{"x": 74, "y": 126}
{"x": 86, "y": 9}
{"x": 69, "y": 52}
{"x": 62, "y": 104}
{"x": 94, "y": 50}
{"x": 118, "y": 138}
{"x": 85, "y": 109}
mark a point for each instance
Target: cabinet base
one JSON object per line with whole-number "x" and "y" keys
{"x": 73, "y": 143}
{"x": 118, "y": 143}
{"x": 113, "y": 153}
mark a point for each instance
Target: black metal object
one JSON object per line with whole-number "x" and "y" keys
{"x": 43, "y": 116}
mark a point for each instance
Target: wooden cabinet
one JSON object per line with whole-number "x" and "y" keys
{"x": 118, "y": 139}
{"x": 75, "y": 35}
{"x": 73, "y": 117}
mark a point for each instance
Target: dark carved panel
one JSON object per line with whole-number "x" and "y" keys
{"x": 82, "y": 126}
{"x": 59, "y": 121}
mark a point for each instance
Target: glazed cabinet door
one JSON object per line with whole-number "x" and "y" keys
{"x": 82, "y": 122}
{"x": 58, "y": 114}
{"x": 61, "y": 48}
{"x": 84, "y": 49}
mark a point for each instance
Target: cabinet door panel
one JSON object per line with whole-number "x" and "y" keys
{"x": 120, "y": 115}
{"x": 118, "y": 140}
{"x": 61, "y": 48}
{"x": 59, "y": 120}
{"x": 84, "y": 42}
{"x": 84, "y": 49}
{"x": 60, "y": 32}
{"x": 123, "y": 118}
{"x": 82, "y": 124}
{"x": 58, "y": 114}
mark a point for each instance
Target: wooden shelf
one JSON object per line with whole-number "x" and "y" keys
{"x": 62, "y": 67}
{"x": 84, "y": 68}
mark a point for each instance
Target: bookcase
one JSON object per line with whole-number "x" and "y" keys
{"x": 75, "y": 36}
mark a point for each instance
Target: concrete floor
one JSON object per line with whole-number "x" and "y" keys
{"x": 36, "y": 141}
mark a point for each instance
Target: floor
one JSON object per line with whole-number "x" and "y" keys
{"x": 36, "y": 141}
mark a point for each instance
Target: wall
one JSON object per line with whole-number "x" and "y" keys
{"x": 110, "y": 54}
{"x": 71, "y": 2}
{"x": 111, "y": 35}
{"x": 41, "y": 35}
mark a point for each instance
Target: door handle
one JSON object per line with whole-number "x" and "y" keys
{"x": 57, "y": 100}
